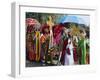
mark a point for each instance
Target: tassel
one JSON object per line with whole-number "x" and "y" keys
{"x": 37, "y": 45}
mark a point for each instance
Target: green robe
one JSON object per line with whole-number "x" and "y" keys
{"x": 82, "y": 47}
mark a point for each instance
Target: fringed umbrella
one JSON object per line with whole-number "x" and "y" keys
{"x": 72, "y": 19}
{"x": 33, "y": 23}
{"x": 34, "y": 26}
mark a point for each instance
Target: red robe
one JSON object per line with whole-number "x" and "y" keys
{"x": 30, "y": 49}
{"x": 64, "y": 51}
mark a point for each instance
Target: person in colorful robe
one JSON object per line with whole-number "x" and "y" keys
{"x": 65, "y": 42}
{"x": 44, "y": 40}
{"x": 69, "y": 59}
{"x": 67, "y": 51}
{"x": 82, "y": 47}
{"x": 57, "y": 40}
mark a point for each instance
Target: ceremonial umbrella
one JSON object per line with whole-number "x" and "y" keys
{"x": 72, "y": 19}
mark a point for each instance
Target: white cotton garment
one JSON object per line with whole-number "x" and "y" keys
{"x": 69, "y": 60}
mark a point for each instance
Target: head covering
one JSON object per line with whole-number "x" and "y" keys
{"x": 45, "y": 26}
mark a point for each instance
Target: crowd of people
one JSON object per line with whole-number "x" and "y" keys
{"x": 56, "y": 44}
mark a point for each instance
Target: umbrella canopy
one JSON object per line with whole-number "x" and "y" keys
{"x": 30, "y": 22}
{"x": 71, "y": 18}
{"x": 81, "y": 21}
